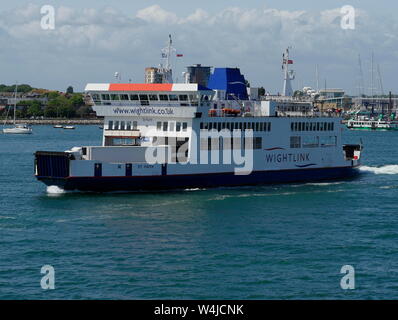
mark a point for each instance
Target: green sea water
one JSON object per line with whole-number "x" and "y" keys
{"x": 269, "y": 242}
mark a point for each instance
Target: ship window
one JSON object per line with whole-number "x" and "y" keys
{"x": 184, "y": 126}
{"x": 116, "y": 127}
{"x": 134, "y": 97}
{"x": 165, "y": 125}
{"x": 206, "y": 126}
{"x": 178, "y": 126}
{"x": 201, "y": 125}
{"x": 158, "y": 126}
{"x": 123, "y": 141}
{"x": 163, "y": 97}
{"x": 143, "y": 97}
{"x": 332, "y": 126}
{"x": 269, "y": 126}
{"x": 171, "y": 126}
{"x": 310, "y": 142}
{"x": 135, "y": 125}
{"x": 325, "y": 126}
{"x": 153, "y": 97}
{"x": 105, "y": 97}
{"x": 292, "y": 126}
{"x": 330, "y": 141}
{"x": 173, "y": 97}
{"x": 183, "y": 97}
{"x": 115, "y": 97}
{"x": 122, "y": 125}
{"x": 124, "y": 97}
{"x": 295, "y": 142}
{"x": 128, "y": 125}
{"x": 110, "y": 125}
{"x": 257, "y": 143}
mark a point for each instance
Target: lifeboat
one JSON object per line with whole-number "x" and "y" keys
{"x": 233, "y": 112}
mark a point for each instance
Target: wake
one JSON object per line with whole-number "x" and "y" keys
{"x": 389, "y": 169}
{"x": 55, "y": 190}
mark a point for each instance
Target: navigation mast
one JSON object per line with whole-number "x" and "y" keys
{"x": 165, "y": 66}
{"x": 289, "y": 75}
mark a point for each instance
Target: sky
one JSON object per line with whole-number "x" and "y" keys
{"x": 92, "y": 40}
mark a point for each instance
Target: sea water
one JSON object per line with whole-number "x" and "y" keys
{"x": 268, "y": 242}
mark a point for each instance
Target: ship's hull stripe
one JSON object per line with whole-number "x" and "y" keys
{"x": 136, "y": 183}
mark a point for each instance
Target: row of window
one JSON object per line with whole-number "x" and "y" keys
{"x": 255, "y": 126}
{"x": 312, "y": 126}
{"x": 169, "y": 126}
{"x": 222, "y": 143}
{"x": 122, "y": 125}
{"x": 313, "y": 142}
{"x": 145, "y": 97}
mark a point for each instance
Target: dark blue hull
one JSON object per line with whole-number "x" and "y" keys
{"x": 135, "y": 183}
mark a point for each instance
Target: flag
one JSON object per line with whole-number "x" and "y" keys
{"x": 179, "y": 55}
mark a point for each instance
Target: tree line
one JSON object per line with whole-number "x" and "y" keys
{"x": 59, "y": 105}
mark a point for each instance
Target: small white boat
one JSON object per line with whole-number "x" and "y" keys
{"x": 58, "y": 126}
{"x": 17, "y": 128}
{"x": 69, "y": 127}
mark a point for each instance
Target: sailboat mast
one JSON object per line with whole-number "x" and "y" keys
{"x": 15, "y": 100}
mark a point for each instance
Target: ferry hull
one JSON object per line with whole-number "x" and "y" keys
{"x": 170, "y": 182}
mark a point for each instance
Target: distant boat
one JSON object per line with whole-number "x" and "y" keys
{"x": 58, "y": 126}
{"x": 17, "y": 128}
{"x": 69, "y": 127}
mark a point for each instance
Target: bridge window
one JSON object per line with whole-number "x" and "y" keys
{"x": 110, "y": 125}
{"x": 173, "y": 97}
{"x": 122, "y": 125}
{"x": 183, "y": 97}
{"x": 134, "y": 97}
{"x": 128, "y": 125}
{"x": 153, "y": 97}
{"x": 105, "y": 97}
{"x": 115, "y": 97}
{"x": 135, "y": 125}
{"x": 116, "y": 127}
{"x": 171, "y": 125}
{"x": 184, "y": 126}
{"x": 158, "y": 126}
{"x": 178, "y": 126}
{"x": 124, "y": 97}
{"x": 165, "y": 126}
{"x": 163, "y": 97}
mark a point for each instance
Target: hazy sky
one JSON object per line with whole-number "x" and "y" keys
{"x": 93, "y": 39}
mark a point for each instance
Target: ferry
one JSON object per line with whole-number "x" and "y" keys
{"x": 372, "y": 124}
{"x": 160, "y": 136}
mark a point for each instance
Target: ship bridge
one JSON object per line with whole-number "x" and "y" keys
{"x": 107, "y": 96}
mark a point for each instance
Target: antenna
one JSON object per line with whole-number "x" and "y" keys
{"x": 317, "y": 78}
